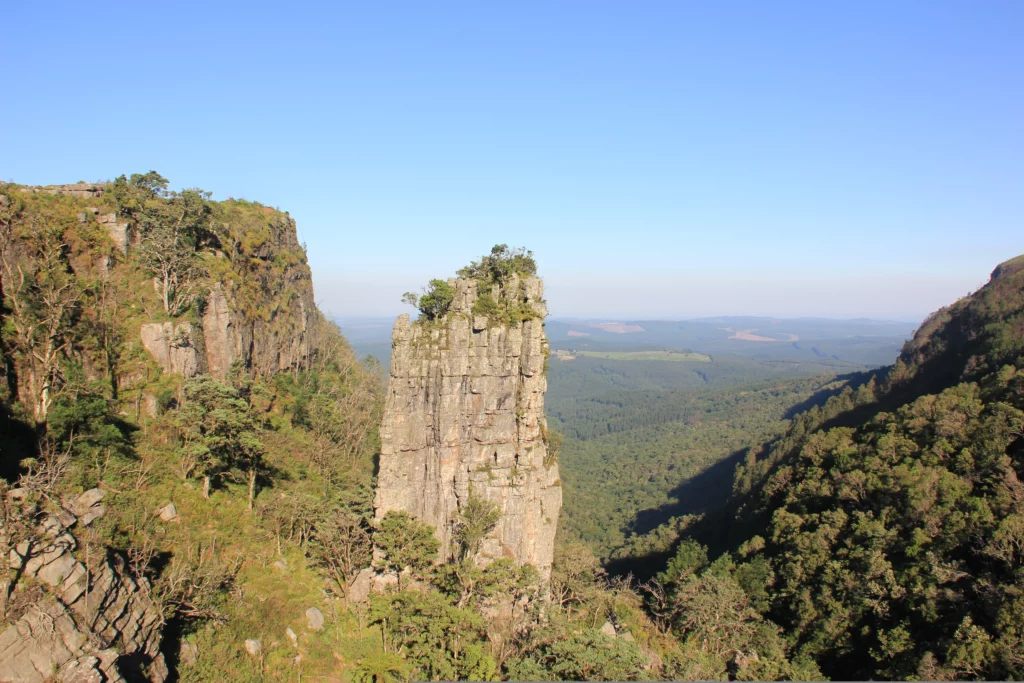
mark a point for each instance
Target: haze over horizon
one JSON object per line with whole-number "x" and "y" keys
{"x": 661, "y": 160}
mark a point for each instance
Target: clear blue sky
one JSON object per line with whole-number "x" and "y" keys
{"x": 661, "y": 158}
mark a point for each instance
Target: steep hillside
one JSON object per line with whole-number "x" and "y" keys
{"x": 887, "y": 523}
{"x": 163, "y": 354}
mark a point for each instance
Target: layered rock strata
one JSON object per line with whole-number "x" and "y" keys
{"x": 465, "y": 417}
{"x": 86, "y": 624}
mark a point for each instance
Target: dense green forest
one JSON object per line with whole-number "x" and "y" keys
{"x": 885, "y": 525}
{"x": 629, "y": 455}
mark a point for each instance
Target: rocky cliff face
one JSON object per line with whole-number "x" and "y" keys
{"x": 465, "y": 417}
{"x": 260, "y": 308}
{"x": 81, "y": 623}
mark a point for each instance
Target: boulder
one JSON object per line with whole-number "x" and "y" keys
{"x": 168, "y": 512}
{"x": 608, "y": 629}
{"x": 87, "y": 507}
{"x": 188, "y": 653}
{"x": 253, "y": 647}
{"x": 85, "y": 501}
{"x": 359, "y": 591}
{"x": 314, "y": 619}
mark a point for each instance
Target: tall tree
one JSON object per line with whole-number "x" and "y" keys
{"x": 42, "y": 295}
{"x": 405, "y": 542}
{"x": 218, "y": 433}
{"x": 170, "y": 225}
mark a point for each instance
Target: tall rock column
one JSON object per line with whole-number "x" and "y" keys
{"x": 465, "y": 417}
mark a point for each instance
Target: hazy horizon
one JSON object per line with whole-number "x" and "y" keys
{"x": 389, "y": 318}
{"x": 664, "y": 159}
{"x": 597, "y": 298}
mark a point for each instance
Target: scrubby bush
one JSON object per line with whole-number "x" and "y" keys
{"x": 436, "y": 299}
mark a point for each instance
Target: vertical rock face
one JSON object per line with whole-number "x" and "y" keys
{"x": 465, "y": 416}
{"x": 172, "y": 346}
{"x": 223, "y": 345}
{"x": 262, "y": 314}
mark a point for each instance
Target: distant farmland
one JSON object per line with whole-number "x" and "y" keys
{"x": 667, "y": 354}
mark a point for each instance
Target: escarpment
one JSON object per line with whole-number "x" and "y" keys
{"x": 252, "y": 290}
{"x": 464, "y": 417}
{"x": 109, "y": 305}
{"x": 258, "y": 309}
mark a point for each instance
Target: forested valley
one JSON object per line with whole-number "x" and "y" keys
{"x": 189, "y": 452}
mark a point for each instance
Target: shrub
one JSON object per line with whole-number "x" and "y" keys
{"x": 485, "y": 305}
{"x": 501, "y": 263}
{"x": 436, "y": 299}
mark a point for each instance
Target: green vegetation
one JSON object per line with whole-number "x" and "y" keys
{"x": 170, "y": 225}
{"x": 476, "y": 519}
{"x": 496, "y": 297}
{"x": 887, "y": 520}
{"x": 218, "y": 433}
{"x": 406, "y": 544}
{"x": 629, "y": 455}
{"x": 501, "y": 265}
{"x": 777, "y": 526}
{"x": 435, "y": 301}
{"x": 263, "y": 468}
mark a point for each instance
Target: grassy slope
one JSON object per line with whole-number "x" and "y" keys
{"x": 143, "y": 477}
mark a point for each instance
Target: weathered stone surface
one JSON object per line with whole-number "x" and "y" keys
{"x": 85, "y": 619}
{"x": 314, "y": 619}
{"x": 73, "y": 190}
{"x": 188, "y": 653}
{"x": 168, "y": 512}
{"x": 82, "y": 670}
{"x": 87, "y": 507}
{"x": 86, "y": 501}
{"x": 150, "y": 405}
{"x": 608, "y": 629}
{"x": 119, "y": 230}
{"x": 359, "y": 591}
{"x": 223, "y": 344}
{"x": 291, "y": 636}
{"x": 172, "y": 346}
{"x": 277, "y": 339}
{"x": 465, "y": 413}
{"x": 267, "y": 322}
{"x": 253, "y": 647}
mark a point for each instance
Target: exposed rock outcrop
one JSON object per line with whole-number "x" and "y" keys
{"x": 172, "y": 346}
{"x": 88, "y": 624}
{"x": 118, "y": 228}
{"x": 465, "y": 416}
{"x": 73, "y": 190}
{"x": 265, "y": 317}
